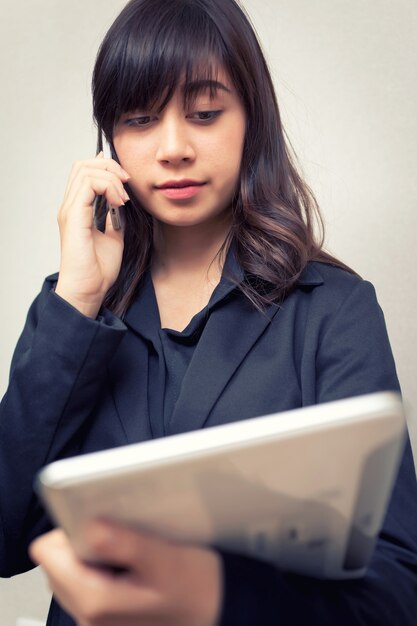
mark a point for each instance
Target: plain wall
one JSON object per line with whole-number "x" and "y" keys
{"x": 346, "y": 78}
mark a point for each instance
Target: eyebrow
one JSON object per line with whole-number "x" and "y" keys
{"x": 197, "y": 86}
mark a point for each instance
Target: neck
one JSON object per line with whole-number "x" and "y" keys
{"x": 188, "y": 250}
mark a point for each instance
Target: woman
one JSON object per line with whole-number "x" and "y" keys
{"x": 215, "y": 302}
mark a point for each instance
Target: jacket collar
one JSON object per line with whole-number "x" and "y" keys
{"x": 310, "y": 276}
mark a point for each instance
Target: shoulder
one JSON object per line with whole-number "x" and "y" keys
{"x": 325, "y": 292}
{"x": 326, "y": 281}
{"x": 317, "y": 273}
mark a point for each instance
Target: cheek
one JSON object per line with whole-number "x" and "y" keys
{"x": 132, "y": 156}
{"x": 133, "y": 160}
{"x": 225, "y": 154}
{"x": 228, "y": 141}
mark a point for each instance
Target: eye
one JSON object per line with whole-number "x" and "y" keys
{"x": 205, "y": 116}
{"x": 143, "y": 120}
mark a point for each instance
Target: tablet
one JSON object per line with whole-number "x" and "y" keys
{"x": 305, "y": 489}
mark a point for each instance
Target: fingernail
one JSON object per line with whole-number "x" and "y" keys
{"x": 126, "y": 196}
{"x": 125, "y": 174}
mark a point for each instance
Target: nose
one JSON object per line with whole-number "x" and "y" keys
{"x": 174, "y": 145}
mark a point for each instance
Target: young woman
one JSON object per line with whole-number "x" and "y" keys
{"x": 215, "y": 302}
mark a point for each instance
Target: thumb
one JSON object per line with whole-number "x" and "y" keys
{"x": 121, "y": 546}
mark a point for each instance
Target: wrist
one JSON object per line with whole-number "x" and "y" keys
{"x": 86, "y": 306}
{"x": 206, "y": 590}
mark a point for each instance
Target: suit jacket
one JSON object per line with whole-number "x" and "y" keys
{"x": 79, "y": 385}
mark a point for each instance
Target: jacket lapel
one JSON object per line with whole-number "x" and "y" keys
{"x": 229, "y": 334}
{"x": 129, "y": 381}
{"x": 231, "y": 331}
{"x": 130, "y": 370}
{"x": 233, "y": 327}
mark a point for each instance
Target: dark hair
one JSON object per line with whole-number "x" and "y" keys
{"x": 149, "y": 48}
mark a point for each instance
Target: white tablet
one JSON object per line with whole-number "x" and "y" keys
{"x": 305, "y": 489}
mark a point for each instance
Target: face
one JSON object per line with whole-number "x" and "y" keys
{"x": 184, "y": 164}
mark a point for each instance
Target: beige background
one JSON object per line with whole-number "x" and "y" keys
{"x": 346, "y": 77}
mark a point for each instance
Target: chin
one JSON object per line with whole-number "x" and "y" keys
{"x": 181, "y": 219}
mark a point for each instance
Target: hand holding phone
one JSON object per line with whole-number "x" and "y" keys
{"x": 90, "y": 257}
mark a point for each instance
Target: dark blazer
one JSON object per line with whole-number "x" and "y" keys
{"x": 79, "y": 385}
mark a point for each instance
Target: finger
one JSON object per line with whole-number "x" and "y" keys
{"x": 38, "y": 546}
{"x": 53, "y": 551}
{"x": 105, "y": 163}
{"x": 126, "y": 547}
{"x": 153, "y": 584}
{"x": 88, "y": 173}
{"x": 54, "y": 554}
{"x": 84, "y": 193}
{"x": 99, "y": 162}
{"x": 88, "y": 592}
{"x": 110, "y": 165}
{"x": 85, "y": 189}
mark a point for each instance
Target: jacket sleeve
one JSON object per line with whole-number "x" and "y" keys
{"x": 57, "y": 370}
{"x": 352, "y": 357}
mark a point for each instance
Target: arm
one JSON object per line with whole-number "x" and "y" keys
{"x": 57, "y": 372}
{"x": 59, "y": 363}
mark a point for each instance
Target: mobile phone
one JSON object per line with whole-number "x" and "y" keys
{"x": 115, "y": 217}
{"x": 114, "y": 211}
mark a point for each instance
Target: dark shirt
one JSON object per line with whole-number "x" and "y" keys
{"x": 170, "y": 351}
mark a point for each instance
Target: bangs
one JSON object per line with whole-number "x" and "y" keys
{"x": 148, "y": 54}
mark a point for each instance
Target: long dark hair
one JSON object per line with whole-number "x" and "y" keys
{"x": 277, "y": 228}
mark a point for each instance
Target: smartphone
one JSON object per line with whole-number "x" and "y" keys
{"x": 115, "y": 216}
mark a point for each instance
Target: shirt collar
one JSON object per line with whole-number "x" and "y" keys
{"x": 143, "y": 314}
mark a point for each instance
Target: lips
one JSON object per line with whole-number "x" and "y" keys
{"x": 179, "y": 190}
{"x": 180, "y": 184}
